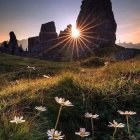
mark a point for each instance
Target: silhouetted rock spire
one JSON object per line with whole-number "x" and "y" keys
{"x": 39, "y": 45}
{"x": 13, "y": 44}
{"x": 96, "y": 19}
{"x": 47, "y": 33}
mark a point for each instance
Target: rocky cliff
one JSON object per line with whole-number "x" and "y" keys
{"x": 97, "y": 23}
{"x": 97, "y": 27}
{"x": 47, "y": 34}
{"x": 33, "y": 45}
{"x": 39, "y": 45}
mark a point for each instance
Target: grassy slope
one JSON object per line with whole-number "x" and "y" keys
{"x": 13, "y": 68}
{"x": 101, "y": 90}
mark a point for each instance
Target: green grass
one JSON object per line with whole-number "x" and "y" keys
{"x": 15, "y": 68}
{"x": 102, "y": 90}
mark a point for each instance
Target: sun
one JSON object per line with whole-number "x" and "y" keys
{"x": 75, "y": 33}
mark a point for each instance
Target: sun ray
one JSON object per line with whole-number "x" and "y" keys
{"x": 92, "y": 27}
{"x": 89, "y": 41}
{"x": 85, "y": 45}
{"x": 55, "y": 39}
{"x": 78, "y": 39}
{"x": 77, "y": 51}
{"x": 64, "y": 46}
{"x": 96, "y": 38}
{"x": 56, "y": 45}
{"x": 81, "y": 46}
{"x": 81, "y": 23}
{"x": 73, "y": 46}
{"x": 89, "y": 23}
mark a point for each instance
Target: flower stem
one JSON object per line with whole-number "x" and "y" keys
{"x": 60, "y": 109}
{"x": 114, "y": 133}
{"x": 92, "y": 125}
{"x": 128, "y": 127}
{"x": 31, "y": 122}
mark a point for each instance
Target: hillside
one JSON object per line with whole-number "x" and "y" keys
{"x": 91, "y": 88}
{"x": 130, "y": 45}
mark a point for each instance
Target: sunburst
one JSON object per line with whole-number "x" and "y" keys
{"x": 76, "y": 39}
{"x": 75, "y": 33}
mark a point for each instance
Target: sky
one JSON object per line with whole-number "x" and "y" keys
{"x": 25, "y": 17}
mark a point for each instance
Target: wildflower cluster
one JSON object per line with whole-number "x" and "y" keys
{"x": 54, "y": 134}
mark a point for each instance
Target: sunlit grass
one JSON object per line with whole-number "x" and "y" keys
{"x": 102, "y": 90}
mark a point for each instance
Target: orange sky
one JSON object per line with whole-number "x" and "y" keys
{"x": 4, "y": 37}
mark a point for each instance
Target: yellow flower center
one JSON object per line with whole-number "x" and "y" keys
{"x": 82, "y": 134}
{"x": 63, "y": 103}
{"x": 55, "y": 136}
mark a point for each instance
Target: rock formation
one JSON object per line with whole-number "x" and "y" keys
{"x": 47, "y": 34}
{"x": 13, "y": 44}
{"x": 4, "y": 48}
{"x": 33, "y": 45}
{"x": 64, "y": 49}
{"x": 39, "y": 45}
{"x": 96, "y": 22}
{"x": 97, "y": 26}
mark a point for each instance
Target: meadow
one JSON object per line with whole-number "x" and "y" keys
{"x": 91, "y": 85}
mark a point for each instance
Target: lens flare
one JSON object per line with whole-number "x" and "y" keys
{"x": 79, "y": 39}
{"x": 75, "y": 32}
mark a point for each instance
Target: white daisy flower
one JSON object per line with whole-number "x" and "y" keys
{"x": 127, "y": 113}
{"x": 90, "y": 115}
{"x": 116, "y": 125}
{"x": 54, "y": 135}
{"x": 63, "y": 102}
{"x": 40, "y": 108}
{"x": 17, "y": 120}
{"x": 82, "y": 133}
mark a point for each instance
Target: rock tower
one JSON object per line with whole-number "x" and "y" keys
{"x": 97, "y": 22}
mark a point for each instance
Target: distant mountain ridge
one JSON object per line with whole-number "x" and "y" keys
{"x": 24, "y": 43}
{"x": 129, "y": 45}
